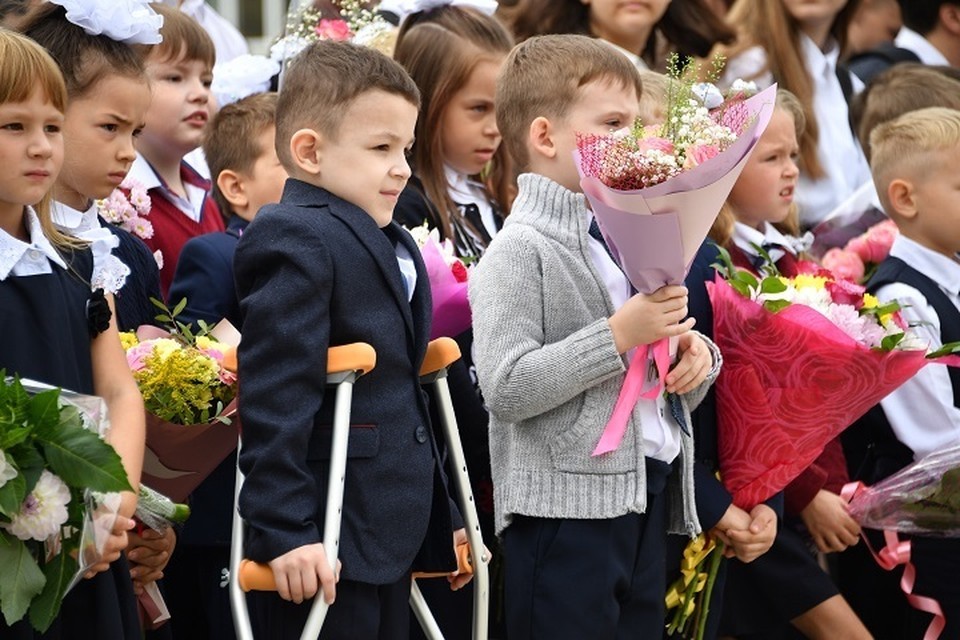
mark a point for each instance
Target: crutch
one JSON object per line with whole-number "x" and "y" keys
{"x": 344, "y": 365}
{"x": 441, "y": 353}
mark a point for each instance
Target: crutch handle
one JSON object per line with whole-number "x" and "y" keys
{"x": 256, "y": 576}
{"x": 358, "y": 356}
{"x": 441, "y": 353}
{"x": 464, "y": 564}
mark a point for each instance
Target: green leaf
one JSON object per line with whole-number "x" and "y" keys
{"x": 949, "y": 349}
{"x": 741, "y": 288}
{"x": 20, "y": 580}
{"x": 177, "y": 310}
{"x": 44, "y": 409}
{"x": 772, "y": 284}
{"x": 82, "y": 459}
{"x": 58, "y": 572}
{"x": 31, "y": 466}
{"x": 775, "y": 305}
{"x": 12, "y": 436}
{"x": 159, "y": 304}
{"x": 12, "y": 494}
{"x": 163, "y": 318}
{"x": 747, "y": 278}
{"x": 889, "y": 343}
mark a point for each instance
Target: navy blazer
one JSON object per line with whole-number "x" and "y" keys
{"x": 204, "y": 276}
{"x": 312, "y": 272}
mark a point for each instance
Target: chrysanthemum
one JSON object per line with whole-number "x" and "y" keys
{"x": 43, "y": 512}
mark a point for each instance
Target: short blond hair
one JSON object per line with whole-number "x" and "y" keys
{"x": 902, "y": 148}
{"x": 541, "y": 77}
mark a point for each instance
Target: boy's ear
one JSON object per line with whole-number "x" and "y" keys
{"x": 903, "y": 198}
{"x": 306, "y": 149}
{"x": 950, "y": 18}
{"x": 232, "y": 189}
{"x": 540, "y": 138}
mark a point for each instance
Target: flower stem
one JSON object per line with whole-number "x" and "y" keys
{"x": 712, "y": 571}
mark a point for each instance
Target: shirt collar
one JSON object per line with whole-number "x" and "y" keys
{"x": 12, "y": 249}
{"x": 821, "y": 63}
{"x": 745, "y": 237}
{"x": 72, "y": 220}
{"x": 144, "y": 173}
{"x": 928, "y": 54}
{"x": 939, "y": 268}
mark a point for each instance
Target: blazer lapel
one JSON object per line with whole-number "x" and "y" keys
{"x": 422, "y": 303}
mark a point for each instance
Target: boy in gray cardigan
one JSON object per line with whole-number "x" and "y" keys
{"x": 554, "y": 321}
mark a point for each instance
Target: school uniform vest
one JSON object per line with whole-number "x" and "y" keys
{"x": 872, "y": 449}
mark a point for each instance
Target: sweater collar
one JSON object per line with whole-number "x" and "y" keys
{"x": 550, "y": 208}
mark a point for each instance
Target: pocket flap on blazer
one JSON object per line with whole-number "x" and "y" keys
{"x": 363, "y": 442}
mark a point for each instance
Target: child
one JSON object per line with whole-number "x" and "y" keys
{"x": 760, "y": 212}
{"x": 54, "y": 329}
{"x": 913, "y": 159}
{"x": 643, "y": 32}
{"x": 241, "y": 151}
{"x": 454, "y": 56}
{"x": 797, "y": 45}
{"x": 180, "y": 71}
{"x": 583, "y": 536}
{"x": 109, "y": 95}
{"x": 328, "y": 267}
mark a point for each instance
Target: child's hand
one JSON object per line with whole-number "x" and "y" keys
{"x": 149, "y": 554}
{"x": 115, "y": 543}
{"x": 754, "y": 541}
{"x": 829, "y": 522}
{"x": 297, "y": 573}
{"x": 734, "y": 518}
{"x": 692, "y": 368}
{"x": 645, "y": 319}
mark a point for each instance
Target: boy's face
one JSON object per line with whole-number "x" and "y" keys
{"x": 180, "y": 109}
{"x": 31, "y": 152}
{"x": 366, "y": 163}
{"x": 98, "y": 134}
{"x": 937, "y": 198}
{"x": 264, "y": 182}
{"x": 601, "y": 107}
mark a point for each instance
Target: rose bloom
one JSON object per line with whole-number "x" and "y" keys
{"x": 844, "y": 264}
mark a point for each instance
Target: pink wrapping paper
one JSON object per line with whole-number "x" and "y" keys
{"x": 790, "y": 383}
{"x": 451, "y": 310}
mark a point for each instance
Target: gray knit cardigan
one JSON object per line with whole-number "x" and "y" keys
{"x": 550, "y": 372}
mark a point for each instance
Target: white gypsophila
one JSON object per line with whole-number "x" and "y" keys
{"x": 288, "y": 47}
{"x": 43, "y": 512}
{"x": 7, "y": 471}
{"x": 746, "y": 87}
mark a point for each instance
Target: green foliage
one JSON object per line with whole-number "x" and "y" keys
{"x": 949, "y": 349}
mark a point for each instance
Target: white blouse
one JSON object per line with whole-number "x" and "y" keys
{"x": 109, "y": 272}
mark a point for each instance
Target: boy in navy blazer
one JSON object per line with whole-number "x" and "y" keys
{"x": 327, "y": 266}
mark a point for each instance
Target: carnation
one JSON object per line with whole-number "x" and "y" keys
{"x": 43, "y": 512}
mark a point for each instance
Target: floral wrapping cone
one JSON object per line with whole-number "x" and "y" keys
{"x": 791, "y": 382}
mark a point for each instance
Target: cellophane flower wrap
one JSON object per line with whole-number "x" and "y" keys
{"x": 922, "y": 498}
{"x": 804, "y": 358}
{"x": 189, "y": 396}
{"x": 448, "y": 276}
{"x": 58, "y": 495}
{"x": 655, "y": 192}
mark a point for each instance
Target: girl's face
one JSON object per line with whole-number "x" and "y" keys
{"x": 98, "y": 135}
{"x": 621, "y": 21}
{"x": 31, "y": 152}
{"x": 814, "y": 11}
{"x": 468, "y": 125}
{"x": 764, "y": 191}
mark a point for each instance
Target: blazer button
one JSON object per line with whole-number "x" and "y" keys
{"x": 420, "y": 434}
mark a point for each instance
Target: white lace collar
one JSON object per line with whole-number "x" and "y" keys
{"x": 12, "y": 249}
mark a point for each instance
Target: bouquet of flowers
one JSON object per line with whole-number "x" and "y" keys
{"x": 352, "y": 21}
{"x": 448, "y": 283}
{"x": 860, "y": 257}
{"x": 804, "y": 358}
{"x": 190, "y": 398}
{"x": 128, "y": 207}
{"x": 53, "y": 467}
{"x": 655, "y": 192}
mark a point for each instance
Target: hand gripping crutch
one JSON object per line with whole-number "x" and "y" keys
{"x": 441, "y": 353}
{"x": 344, "y": 365}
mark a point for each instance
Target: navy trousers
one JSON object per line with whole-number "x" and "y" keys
{"x": 598, "y": 579}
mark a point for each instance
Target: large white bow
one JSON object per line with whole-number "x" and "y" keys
{"x": 128, "y": 21}
{"x": 243, "y": 76}
{"x": 404, "y": 8}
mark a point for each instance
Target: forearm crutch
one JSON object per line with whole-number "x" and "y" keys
{"x": 344, "y": 365}
{"x": 441, "y": 353}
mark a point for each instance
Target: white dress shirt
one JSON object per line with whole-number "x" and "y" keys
{"x": 637, "y": 61}
{"x": 109, "y": 272}
{"x": 839, "y": 152}
{"x": 661, "y": 434}
{"x": 463, "y": 190}
{"x": 745, "y": 237}
{"x": 921, "y": 411}
{"x": 31, "y": 258}
{"x": 191, "y": 206}
{"x": 913, "y": 41}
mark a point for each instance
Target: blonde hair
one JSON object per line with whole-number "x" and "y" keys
{"x": 768, "y": 24}
{"x": 722, "y": 230}
{"x": 653, "y": 100}
{"x": 542, "y": 76}
{"x": 440, "y": 49}
{"x": 904, "y": 146}
{"x": 26, "y": 67}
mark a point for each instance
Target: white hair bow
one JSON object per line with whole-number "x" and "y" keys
{"x": 404, "y": 8}
{"x": 127, "y": 21}
{"x": 243, "y": 76}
